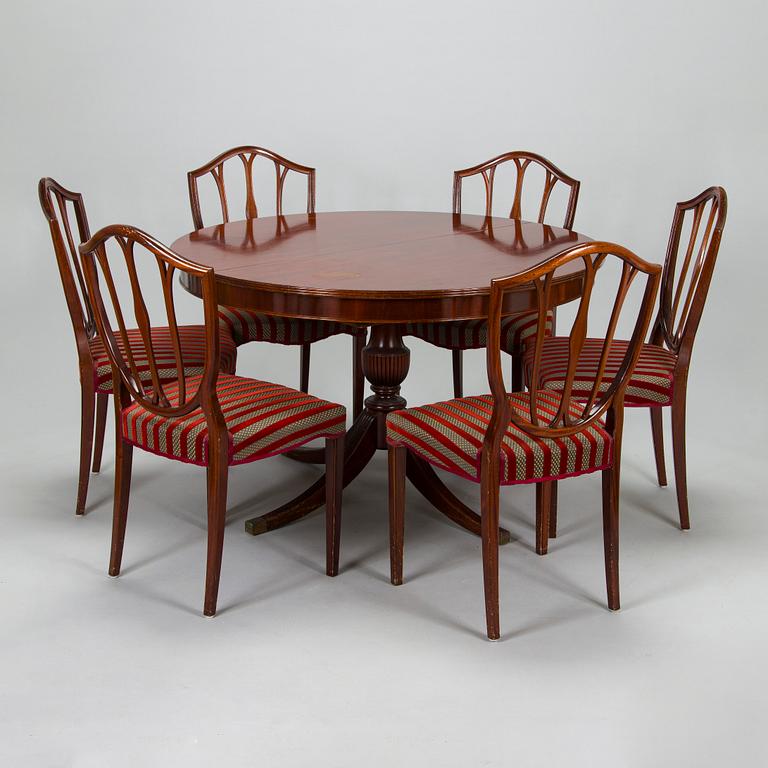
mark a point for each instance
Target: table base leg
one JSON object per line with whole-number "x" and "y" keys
{"x": 428, "y": 484}
{"x": 385, "y": 364}
{"x": 360, "y": 446}
{"x": 307, "y": 455}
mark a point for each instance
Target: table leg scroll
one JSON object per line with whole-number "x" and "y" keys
{"x": 360, "y": 448}
{"x": 426, "y": 481}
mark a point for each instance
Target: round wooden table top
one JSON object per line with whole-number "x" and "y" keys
{"x": 377, "y": 266}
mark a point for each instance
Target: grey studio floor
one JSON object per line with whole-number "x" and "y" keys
{"x": 299, "y": 669}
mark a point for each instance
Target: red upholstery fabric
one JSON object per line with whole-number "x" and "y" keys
{"x": 245, "y": 326}
{"x": 651, "y": 383}
{"x": 262, "y": 419}
{"x": 192, "y": 341}
{"x": 450, "y": 436}
{"x": 473, "y": 334}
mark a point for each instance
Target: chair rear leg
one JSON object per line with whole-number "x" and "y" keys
{"x": 306, "y": 349}
{"x": 543, "y": 504}
{"x": 611, "y": 535}
{"x": 518, "y": 384}
{"x": 458, "y": 373}
{"x": 334, "y": 484}
{"x": 87, "y": 407}
{"x": 102, "y": 403}
{"x": 657, "y": 429}
{"x": 358, "y": 378}
{"x": 553, "y": 511}
{"x": 123, "y": 464}
{"x": 217, "y": 476}
{"x": 678, "y": 450}
{"x": 397, "y": 457}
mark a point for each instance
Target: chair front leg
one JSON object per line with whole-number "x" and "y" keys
{"x": 611, "y": 534}
{"x": 217, "y": 476}
{"x": 678, "y": 450}
{"x": 123, "y": 464}
{"x": 334, "y": 484}
{"x": 397, "y": 458}
{"x": 489, "y": 533}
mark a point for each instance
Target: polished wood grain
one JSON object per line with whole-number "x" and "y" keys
{"x": 376, "y": 266}
{"x": 382, "y": 268}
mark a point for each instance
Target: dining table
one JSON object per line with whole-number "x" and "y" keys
{"x": 382, "y": 270}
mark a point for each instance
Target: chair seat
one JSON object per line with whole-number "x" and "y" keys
{"x": 651, "y": 384}
{"x": 192, "y": 342}
{"x": 473, "y": 334}
{"x": 450, "y": 436}
{"x": 245, "y": 325}
{"x": 263, "y": 419}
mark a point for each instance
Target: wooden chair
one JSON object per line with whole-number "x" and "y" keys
{"x": 529, "y": 437}
{"x": 660, "y": 378}
{"x": 246, "y": 325}
{"x": 516, "y": 329}
{"x": 64, "y": 210}
{"x": 211, "y": 419}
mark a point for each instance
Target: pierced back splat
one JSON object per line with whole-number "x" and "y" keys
{"x": 150, "y": 391}
{"x": 247, "y": 155}
{"x": 521, "y": 161}
{"x": 688, "y": 268}
{"x": 58, "y": 204}
{"x": 601, "y": 398}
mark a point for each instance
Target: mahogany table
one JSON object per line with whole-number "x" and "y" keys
{"x": 380, "y": 269}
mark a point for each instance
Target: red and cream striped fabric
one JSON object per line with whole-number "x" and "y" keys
{"x": 245, "y": 326}
{"x": 450, "y": 436}
{"x": 262, "y": 419}
{"x": 192, "y": 342}
{"x": 473, "y": 334}
{"x": 651, "y": 383}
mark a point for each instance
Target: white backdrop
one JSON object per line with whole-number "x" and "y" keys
{"x": 646, "y": 103}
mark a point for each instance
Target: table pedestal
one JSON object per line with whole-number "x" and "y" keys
{"x": 386, "y": 360}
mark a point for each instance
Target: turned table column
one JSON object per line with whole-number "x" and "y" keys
{"x": 386, "y": 360}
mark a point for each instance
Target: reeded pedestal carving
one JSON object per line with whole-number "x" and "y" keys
{"x": 386, "y": 360}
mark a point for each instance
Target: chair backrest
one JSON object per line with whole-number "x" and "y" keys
{"x": 603, "y": 397}
{"x": 247, "y": 156}
{"x": 119, "y": 242}
{"x": 685, "y": 284}
{"x": 59, "y": 205}
{"x": 521, "y": 161}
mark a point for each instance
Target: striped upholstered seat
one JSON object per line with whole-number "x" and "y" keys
{"x": 192, "y": 342}
{"x": 245, "y": 325}
{"x": 262, "y": 420}
{"x": 473, "y": 334}
{"x": 450, "y": 436}
{"x": 651, "y": 383}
